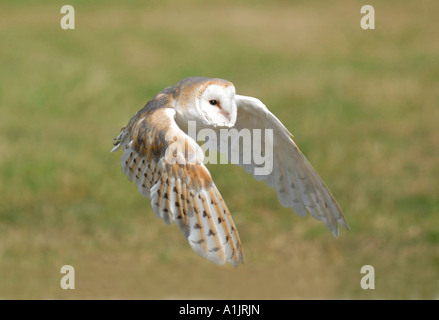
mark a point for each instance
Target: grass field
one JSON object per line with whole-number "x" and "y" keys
{"x": 363, "y": 106}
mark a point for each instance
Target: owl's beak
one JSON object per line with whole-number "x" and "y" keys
{"x": 226, "y": 115}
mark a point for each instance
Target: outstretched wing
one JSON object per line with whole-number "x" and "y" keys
{"x": 167, "y": 167}
{"x": 297, "y": 184}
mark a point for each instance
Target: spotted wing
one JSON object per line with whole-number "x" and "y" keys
{"x": 167, "y": 167}
{"x": 297, "y": 184}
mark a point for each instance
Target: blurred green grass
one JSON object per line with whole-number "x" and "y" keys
{"x": 363, "y": 106}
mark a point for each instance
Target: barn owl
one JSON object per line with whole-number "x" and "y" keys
{"x": 183, "y": 191}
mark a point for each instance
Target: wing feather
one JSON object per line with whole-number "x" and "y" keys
{"x": 296, "y": 182}
{"x": 180, "y": 191}
{"x": 296, "y": 197}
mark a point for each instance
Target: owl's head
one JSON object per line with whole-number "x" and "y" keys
{"x": 213, "y": 99}
{"x": 216, "y": 103}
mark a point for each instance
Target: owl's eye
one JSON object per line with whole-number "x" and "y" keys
{"x": 213, "y": 102}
